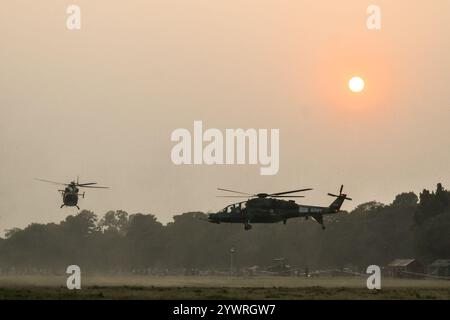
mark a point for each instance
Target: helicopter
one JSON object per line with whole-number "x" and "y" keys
{"x": 268, "y": 208}
{"x": 71, "y": 193}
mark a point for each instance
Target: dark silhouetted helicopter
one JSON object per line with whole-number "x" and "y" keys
{"x": 267, "y": 208}
{"x": 71, "y": 193}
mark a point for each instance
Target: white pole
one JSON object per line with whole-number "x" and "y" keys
{"x": 232, "y": 251}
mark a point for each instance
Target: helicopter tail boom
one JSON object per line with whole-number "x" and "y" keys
{"x": 336, "y": 204}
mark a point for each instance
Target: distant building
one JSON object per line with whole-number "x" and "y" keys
{"x": 440, "y": 268}
{"x": 405, "y": 268}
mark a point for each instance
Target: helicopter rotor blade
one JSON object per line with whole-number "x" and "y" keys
{"x": 288, "y": 196}
{"x": 93, "y": 187}
{"x": 233, "y": 196}
{"x": 235, "y": 191}
{"x": 86, "y": 184}
{"x": 333, "y": 195}
{"x": 287, "y": 192}
{"x": 54, "y": 182}
{"x": 340, "y": 190}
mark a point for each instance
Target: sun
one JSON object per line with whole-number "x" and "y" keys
{"x": 356, "y": 84}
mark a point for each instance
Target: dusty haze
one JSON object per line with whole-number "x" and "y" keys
{"x": 102, "y": 102}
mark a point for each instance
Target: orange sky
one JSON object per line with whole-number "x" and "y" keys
{"x": 101, "y": 102}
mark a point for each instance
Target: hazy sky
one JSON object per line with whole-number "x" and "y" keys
{"x": 102, "y": 102}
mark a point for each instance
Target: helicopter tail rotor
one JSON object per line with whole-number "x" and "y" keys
{"x": 341, "y": 195}
{"x": 336, "y": 204}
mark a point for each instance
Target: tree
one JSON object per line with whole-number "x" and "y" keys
{"x": 115, "y": 221}
{"x": 406, "y": 199}
{"x": 145, "y": 240}
{"x": 368, "y": 207}
{"x": 9, "y": 233}
{"x": 372, "y": 233}
{"x": 82, "y": 224}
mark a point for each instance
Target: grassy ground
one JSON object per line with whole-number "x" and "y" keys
{"x": 141, "y": 287}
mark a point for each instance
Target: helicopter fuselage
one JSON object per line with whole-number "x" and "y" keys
{"x": 266, "y": 215}
{"x": 270, "y": 210}
{"x": 70, "y": 199}
{"x": 70, "y": 196}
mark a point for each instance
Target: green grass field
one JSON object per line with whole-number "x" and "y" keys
{"x": 178, "y": 287}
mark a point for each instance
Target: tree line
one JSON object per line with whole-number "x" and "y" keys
{"x": 373, "y": 233}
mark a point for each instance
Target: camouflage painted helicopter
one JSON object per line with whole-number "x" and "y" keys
{"x": 71, "y": 193}
{"x": 267, "y": 208}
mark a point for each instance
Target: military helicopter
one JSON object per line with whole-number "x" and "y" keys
{"x": 71, "y": 193}
{"x": 267, "y": 208}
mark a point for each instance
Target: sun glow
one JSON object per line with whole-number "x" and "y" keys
{"x": 356, "y": 84}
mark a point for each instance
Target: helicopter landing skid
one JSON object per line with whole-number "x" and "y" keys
{"x": 63, "y": 205}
